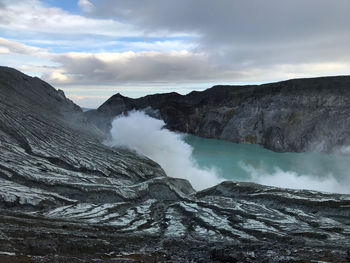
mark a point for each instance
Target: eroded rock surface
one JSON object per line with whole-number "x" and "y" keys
{"x": 296, "y": 115}
{"x": 65, "y": 197}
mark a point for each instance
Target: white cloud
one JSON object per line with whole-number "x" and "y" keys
{"x": 131, "y": 67}
{"x": 244, "y": 34}
{"x": 30, "y": 17}
{"x": 10, "y": 46}
{"x": 4, "y": 50}
{"x": 35, "y": 68}
{"x": 154, "y": 67}
{"x": 85, "y": 5}
{"x": 57, "y": 76}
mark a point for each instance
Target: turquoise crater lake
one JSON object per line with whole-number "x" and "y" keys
{"x": 253, "y": 163}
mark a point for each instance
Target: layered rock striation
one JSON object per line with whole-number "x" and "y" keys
{"x": 65, "y": 197}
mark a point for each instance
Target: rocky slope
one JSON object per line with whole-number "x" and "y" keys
{"x": 65, "y": 197}
{"x": 296, "y": 115}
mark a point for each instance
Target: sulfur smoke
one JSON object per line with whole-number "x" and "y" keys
{"x": 294, "y": 180}
{"x": 146, "y": 135}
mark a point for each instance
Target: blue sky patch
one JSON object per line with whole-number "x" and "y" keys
{"x": 70, "y": 6}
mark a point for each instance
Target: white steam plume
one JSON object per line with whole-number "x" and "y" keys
{"x": 146, "y": 135}
{"x": 290, "y": 179}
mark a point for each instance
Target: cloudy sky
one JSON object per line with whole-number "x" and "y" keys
{"x": 93, "y": 49}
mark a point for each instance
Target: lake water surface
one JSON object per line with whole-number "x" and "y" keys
{"x": 207, "y": 162}
{"x": 246, "y": 162}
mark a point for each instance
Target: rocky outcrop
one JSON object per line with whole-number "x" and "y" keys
{"x": 65, "y": 197}
{"x": 290, "y": 116}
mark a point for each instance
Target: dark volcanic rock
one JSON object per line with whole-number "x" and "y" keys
{"x": 65, "y": 197}
{"x": 294, "y": 115}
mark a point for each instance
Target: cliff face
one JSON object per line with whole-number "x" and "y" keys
{"x": 295, "y": 115}
{"x": 65, "y": 197}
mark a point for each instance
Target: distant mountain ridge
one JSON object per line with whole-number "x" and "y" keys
{"x": 294, "y": 115}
